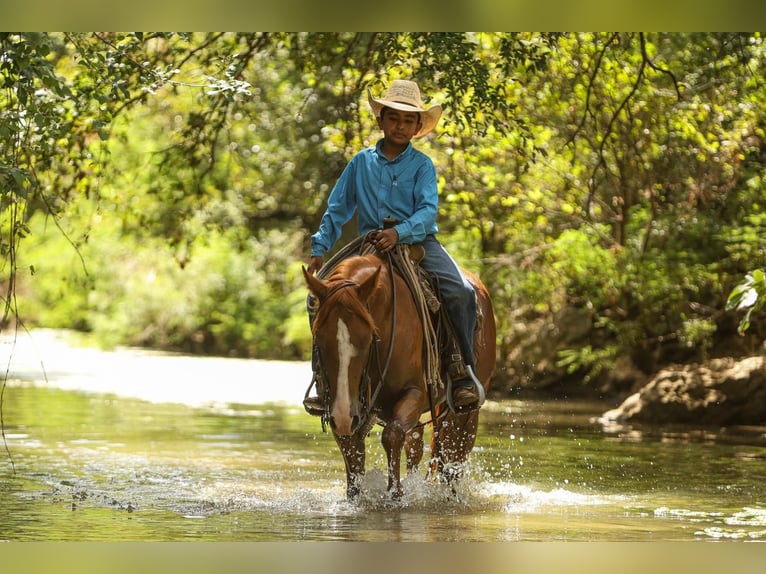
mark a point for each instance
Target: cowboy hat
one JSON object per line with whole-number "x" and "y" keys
{"x": 404, "y": 95}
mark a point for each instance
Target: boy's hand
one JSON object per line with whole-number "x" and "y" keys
{"x": 315, "y": 264}
{"x": 386, "y": 239}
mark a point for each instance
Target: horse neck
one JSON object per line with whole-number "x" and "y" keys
{"x": 341, "y": 283}
{"x": 388, "y": 293}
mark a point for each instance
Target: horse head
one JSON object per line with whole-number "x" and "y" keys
{"x": 344, "y": 332}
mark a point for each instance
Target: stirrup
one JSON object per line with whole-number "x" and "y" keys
{"x": 314, "y": 405}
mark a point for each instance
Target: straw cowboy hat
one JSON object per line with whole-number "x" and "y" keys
{"x": 404, "y": 95}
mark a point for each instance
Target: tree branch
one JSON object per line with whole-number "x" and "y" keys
{"x": 601, "y": 159}
{"x": 648, "y": 61}
{"x": 591, "y": 80}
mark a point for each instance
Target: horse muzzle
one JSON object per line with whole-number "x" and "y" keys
{"x": 346, "y": 423}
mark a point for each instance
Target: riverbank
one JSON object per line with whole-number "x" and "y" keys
{"x": 53, "y": 358}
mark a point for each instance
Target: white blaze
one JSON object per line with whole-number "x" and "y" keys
{"x": 342, "y": 406}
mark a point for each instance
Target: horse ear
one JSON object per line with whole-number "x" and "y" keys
{"x": 369, "y": 285}
{"x": 315, "y": 285}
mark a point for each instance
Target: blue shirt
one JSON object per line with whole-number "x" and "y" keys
{"x": 403, "y": 189}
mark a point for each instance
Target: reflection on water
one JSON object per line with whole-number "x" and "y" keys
{"x": 99, "y": 467}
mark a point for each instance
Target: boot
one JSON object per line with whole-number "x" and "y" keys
{"x": 466, "y": 393}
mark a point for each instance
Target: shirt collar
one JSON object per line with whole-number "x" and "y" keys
{"x": 402, "y": 155}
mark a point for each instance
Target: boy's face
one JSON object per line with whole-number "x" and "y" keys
{"x": 399, "y": 127}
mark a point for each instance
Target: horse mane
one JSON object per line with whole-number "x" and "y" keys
{"x": 348, "y": 299}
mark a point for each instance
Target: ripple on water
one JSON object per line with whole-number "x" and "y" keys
{"x": 746, "y": 524}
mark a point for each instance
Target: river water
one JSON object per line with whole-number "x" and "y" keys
{"x": 133, "y": 446}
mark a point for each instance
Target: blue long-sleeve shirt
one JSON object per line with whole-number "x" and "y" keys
{"x": 403, "y": 189}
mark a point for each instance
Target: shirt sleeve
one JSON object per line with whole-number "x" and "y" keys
{"x": 422, "y": 222}
{"x": 340, "y": 208}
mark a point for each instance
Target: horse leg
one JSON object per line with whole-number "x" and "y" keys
{"x": 453, "y": 438}
{"x": 393, "y": 442}
{"x": 452, "y": 442}
{"x": 413, "y": 449}
{"x": 406, "y": 413}
{"x": 352, "y": 449}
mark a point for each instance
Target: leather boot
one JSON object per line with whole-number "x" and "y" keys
{"x": 467, "y": 393}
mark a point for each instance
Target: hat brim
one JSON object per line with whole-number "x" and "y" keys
{"x": 428, "y": 117}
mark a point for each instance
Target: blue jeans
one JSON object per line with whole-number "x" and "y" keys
{"x": 456, "y": 293}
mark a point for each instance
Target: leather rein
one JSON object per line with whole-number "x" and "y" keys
{"x": 364, "y": 383}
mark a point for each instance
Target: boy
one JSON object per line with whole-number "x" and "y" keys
{"x": 394, "y": 180}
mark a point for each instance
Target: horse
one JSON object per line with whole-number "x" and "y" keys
{"x": 369, "y": 336}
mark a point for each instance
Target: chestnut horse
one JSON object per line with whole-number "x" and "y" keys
{"x": 370, "y": 337}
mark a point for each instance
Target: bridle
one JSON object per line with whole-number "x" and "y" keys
{"x": 365, "y": 390}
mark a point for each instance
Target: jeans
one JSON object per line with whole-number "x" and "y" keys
{"x": 456, "y": 293}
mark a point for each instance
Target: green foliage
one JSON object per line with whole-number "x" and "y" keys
{"x": 746, "y": 241}
{"x": 165, "y": 185}
{"x": 224, "y": 301}
{"x": 748, "y": 296}
{"x": 589, "y": 360}
{"x": 698, "y": 332}
{"x": 584, "y": 270}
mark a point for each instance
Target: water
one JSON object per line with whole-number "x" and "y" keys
{"x": 107, "y": 466}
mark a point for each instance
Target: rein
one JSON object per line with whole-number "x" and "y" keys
{"x": 339, "y": 286}
{"x": 373, "y": 347}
